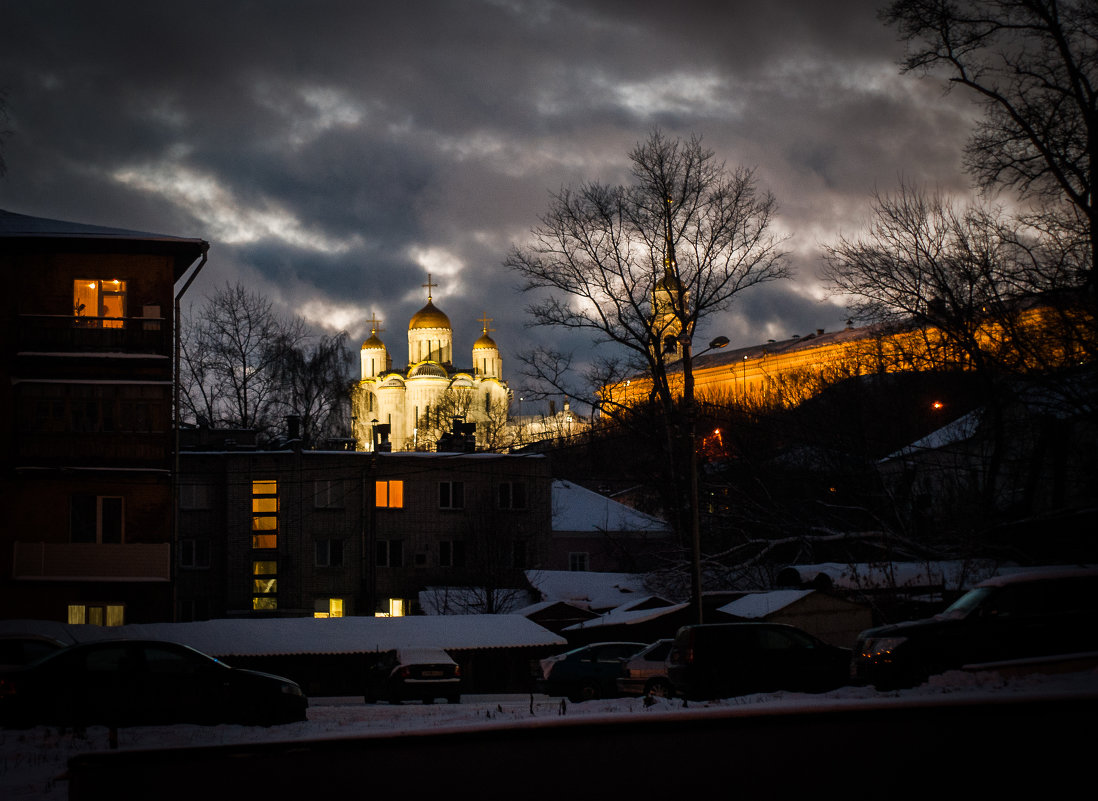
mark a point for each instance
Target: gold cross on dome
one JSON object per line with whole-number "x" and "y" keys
{"x": 375, "y": 324}
{"x": 429, "y": 285}
{"x": 484, "y": 323}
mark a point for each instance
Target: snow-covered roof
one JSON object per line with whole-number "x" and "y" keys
{"x": 342, "y": 635}
{"x": 585, "y": 589}
{"x": 578, "y": 509}
{"x": 960, "y": 430}
{"x": 756, "y": 605}
{"x": 630, "y": 617}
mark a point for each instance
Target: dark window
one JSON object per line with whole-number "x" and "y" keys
{"x": 512, "y": 495}
{"x": 194, "y": 553}
{"x": 329, "y": 553}
{"x": 390, "y": 553}
{"x": 451, "y": 495}
{"x": 451, "y": 553}
{"x": 96, "y": 518}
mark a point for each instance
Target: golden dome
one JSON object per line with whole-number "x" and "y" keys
{"x": 485, "y": 341}
{"x": 429, "y": 317}
{"x": 373, "y": 342}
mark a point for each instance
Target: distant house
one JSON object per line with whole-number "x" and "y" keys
{"x": 832, "y": 619}
{"x": 593, "y": 532}
{"x": 87, "y": 403}
{"x": 646, "y": 623}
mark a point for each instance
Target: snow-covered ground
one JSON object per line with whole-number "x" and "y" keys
{"x": 33, "y": 762}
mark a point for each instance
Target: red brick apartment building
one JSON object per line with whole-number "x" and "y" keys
{"x": 87, "y": 400}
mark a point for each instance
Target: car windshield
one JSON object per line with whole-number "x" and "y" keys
{"x": 964, "y": 605}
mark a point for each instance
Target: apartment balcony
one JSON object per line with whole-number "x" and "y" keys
{"x": 80, "y": 561}
{"x": 58, "y": 333}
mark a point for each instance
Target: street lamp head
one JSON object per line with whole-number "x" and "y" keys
{"x": 719, "y": 342}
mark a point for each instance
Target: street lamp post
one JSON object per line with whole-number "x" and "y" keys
{"x": 695, "y": 513}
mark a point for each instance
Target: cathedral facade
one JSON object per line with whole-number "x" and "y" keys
{"x": 420, "y": 406}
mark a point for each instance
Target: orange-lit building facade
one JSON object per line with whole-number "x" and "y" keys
{"x": 87, "y": 402}
{"x": 787, "y": 372}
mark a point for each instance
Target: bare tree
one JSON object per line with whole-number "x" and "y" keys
{"x": 687, "y": 224}
{"x": 1034, "y": 66}
{"x": 313, "y": 382}
{"x": 233, "y": 360}
{"x": 964, "y": 281}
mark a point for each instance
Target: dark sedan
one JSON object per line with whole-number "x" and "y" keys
{"x": 589, "y": 672}
{"x": 143, "y": 682}
{"x": 721, "y": 660}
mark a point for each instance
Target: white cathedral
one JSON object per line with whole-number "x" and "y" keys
{"x": 417, "y": 407}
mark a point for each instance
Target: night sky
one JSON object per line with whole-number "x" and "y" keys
{"x": 334, "y": 153}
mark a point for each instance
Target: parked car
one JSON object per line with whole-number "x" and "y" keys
{"x": 143, "y": 682}
{"x": 1019, "y": 616}
{"x": 409, "y": 674}
{"x": 721, "y": 660}
{"x": 22, "y": 649}
{"x": 646, "y": 673}
{"x": 588, "y": 672}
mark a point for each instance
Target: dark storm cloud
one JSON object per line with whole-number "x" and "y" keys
{"x": 334, "y": 153}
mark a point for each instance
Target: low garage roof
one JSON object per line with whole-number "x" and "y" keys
{"x": 341, "y": 635}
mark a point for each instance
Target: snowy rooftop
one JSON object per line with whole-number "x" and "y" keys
{"x": 578, "y": 509}
{"x": 760, "y": 604}
{"x": 343, "y": 635}
{"x": 629, "y": 617}
{"x": 587, "y": 590}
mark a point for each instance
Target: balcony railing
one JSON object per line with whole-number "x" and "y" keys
{"x": 81, "y": 561}
{"x": 53, "y": 333}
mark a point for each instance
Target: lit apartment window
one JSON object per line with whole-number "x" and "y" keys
{"x": 451, "y": 495}
{"x": 97, "y": 518}
{"x": 390, "y": 553}
{"x": 389, "y": 494}
{"x": 328, "y": 607}
{"x": 98, "y": 303}
{"x": 264, "y": 514}
{"x": 512, "y": 495}
{"x": 578, "y": 562}
{"x": 329, "y": 553}
{"x": 97, "y": 614}
{"x": 394, "y": 608}
{"x": 264, "y": 584}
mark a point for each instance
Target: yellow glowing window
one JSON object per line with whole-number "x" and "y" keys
{"x": 264, "y": 512}
{"x": 99, "y": 303}
{"x": 329, "y": 607}
{"x": 395, "y": 608}
{"x": 264, "y": 540}
{"x": 264, "y": 567}
{"x": 390, "y": 494}
{"x": 264, "y": 504}
{"x": 261, "y": 603}
{"x": 265, "y": 586}
{"x": 97, "y": 614}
